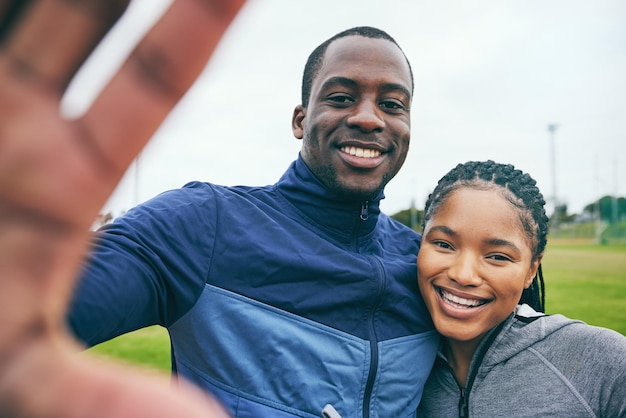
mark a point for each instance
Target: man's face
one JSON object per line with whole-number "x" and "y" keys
{"x": 356, "y": 126}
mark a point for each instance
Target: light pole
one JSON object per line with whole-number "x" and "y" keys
{"x": 413, "y": 213}
{"x": 552, "y": 127}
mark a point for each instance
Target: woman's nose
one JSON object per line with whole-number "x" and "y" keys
{"x": 464, "y": 270}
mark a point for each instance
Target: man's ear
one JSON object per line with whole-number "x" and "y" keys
{"x": 297, "y": 121}
{"x": 534, "y": 266}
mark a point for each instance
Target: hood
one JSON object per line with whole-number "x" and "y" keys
{"x": 521, "y": 330}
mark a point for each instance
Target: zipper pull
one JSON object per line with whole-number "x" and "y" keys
{"x": 330, "y": 412}
{"x": 364, "y": 207}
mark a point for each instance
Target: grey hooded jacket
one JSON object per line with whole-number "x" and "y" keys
{"x": 535, "y": 366}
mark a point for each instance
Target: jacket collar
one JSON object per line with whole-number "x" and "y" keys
{"x": 317, "y": 204}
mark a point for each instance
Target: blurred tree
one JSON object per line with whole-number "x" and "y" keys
{"x": 410, "y": 217}
{"x": 562, "y": 217}
{"x": 612, "y": 209}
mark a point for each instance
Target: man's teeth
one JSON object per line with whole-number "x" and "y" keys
{"x": 361, "y": 152}
{"x": 470, "y": 303}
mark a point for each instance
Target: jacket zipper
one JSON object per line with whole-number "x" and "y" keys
{"x": 364, "y": 209}
{"x": 463, "y": 404}
{"x": 371, "y": 376}
{"x": 479, "y": 357}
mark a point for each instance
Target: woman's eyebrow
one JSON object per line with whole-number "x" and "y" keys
{"x": 499, "y": 242}
{"x": 442, "y": 228}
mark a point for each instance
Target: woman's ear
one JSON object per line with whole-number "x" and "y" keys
{"x": 297, "y": 121}
{"x": 532, "y": 272}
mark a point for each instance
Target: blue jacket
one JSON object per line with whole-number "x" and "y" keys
{"x": 278, "y": 299}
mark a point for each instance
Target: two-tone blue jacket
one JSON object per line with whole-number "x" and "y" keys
{"x": 278, "y": 299}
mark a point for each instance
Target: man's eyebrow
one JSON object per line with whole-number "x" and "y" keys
{"x": 348, "y": 82}
{"x": 344, "y": 81}
{"x": 395, "y": 86}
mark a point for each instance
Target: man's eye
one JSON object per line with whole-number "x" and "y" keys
{"x": 392, "y": 105}
{"x": 341, "y": 99}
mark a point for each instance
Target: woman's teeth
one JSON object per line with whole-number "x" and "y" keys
{"x": 458, "y": 301}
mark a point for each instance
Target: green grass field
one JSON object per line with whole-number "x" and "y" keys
{"x": 149, "y": 347}
{"x": 583, "y": 281}
{"x": 587, "y": 282}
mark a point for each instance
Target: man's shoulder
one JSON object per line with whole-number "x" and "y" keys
{"x": 389, "y": 223}
{"x": 195, "y": 192}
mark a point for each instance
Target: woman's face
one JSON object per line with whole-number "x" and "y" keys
{"x": 474, "y": 263}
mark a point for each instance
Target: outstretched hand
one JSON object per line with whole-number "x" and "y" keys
{"x": 56, "y": 174}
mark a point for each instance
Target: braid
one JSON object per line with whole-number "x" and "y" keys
{"x": 520, "y": 190}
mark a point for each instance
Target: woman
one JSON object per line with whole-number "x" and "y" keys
{"x": 479, "y": 270}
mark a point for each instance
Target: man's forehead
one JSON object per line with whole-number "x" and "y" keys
{"x": 355, "y": 41}
{"x": 362, "y": 55}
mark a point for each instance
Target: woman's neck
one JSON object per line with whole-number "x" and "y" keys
{"x": 459, "y": 355}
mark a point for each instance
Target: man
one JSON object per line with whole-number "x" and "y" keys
{"x": 282, "y": 299}
{"x": 316, "y": 281}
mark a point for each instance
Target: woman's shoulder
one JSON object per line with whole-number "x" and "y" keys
{"x": 568, "y": 357}
{"x": 577, "y": 329}
{"x": 559, "y": 337}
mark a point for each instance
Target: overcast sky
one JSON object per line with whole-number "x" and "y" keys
{"x": 489, "y": 78}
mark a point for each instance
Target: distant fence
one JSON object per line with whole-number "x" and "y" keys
{"x": 602, "y": 233}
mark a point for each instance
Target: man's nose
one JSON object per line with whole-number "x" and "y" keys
{"x": 367, "y": 116}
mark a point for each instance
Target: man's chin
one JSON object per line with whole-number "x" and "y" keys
{"x": 357, "y": 193}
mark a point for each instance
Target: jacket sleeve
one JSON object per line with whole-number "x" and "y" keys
{"x": 612, "y": 377}
{"x": 594, "y": 361}
{"x": 147, "y": 268}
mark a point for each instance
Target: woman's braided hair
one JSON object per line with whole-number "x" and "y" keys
{"x": 520, "y": 190}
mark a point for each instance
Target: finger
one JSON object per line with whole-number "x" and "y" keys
{"x": 37, "y": 261}
{"x": 49, "y": 379}
{"x": 54, "y": 37}
{"x": 154, "y": 78}
{"x": 68, "y": 171}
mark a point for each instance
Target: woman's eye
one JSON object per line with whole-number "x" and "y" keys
{"x": 442, "y": 244}
{"x": 499, "y": 257}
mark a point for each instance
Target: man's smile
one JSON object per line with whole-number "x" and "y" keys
{"x": 361, "y": 152}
